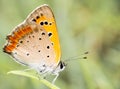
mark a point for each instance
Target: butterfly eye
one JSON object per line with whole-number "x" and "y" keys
{"x": 62, "y": 65}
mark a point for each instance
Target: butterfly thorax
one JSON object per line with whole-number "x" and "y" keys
{"x": 52, "y": 69}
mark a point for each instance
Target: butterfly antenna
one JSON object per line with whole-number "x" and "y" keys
{"x": 82, "y": 56}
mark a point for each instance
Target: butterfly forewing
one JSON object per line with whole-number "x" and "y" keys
{"x": 44, "y": 17}
{"x": 36, "y": 39}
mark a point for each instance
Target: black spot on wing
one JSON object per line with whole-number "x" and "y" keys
{"x": 49, "y": 34}
{"x": 41, "y": 14}
{"x": 40, "y": 38}
{"x": 46, "y": 23}
{"x": 27, "y": 54}
{"x": 21, "y": 41}
{"x": 41, "y": 23}
{"x": 50, "y": 23}
{"x": 48, "y": 56}
{"x": 37, "y": 17}
{"x": 48, "y": 47}
{"x": 33, "y": 36}
{"x": 38, "y": 50}
{"x": 34, "y": 20}
{"x": 43, "y": 33}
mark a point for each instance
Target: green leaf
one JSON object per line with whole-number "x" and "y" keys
{"x": 26, "y": 74}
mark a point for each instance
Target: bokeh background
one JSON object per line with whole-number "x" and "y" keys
{"x": 83, "y": 25}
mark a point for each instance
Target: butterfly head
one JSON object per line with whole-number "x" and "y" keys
{"x": 60, "y": 67}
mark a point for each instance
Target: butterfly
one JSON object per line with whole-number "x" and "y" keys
{"x": 35, "y": 42}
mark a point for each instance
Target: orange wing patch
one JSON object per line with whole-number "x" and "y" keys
{"x": 50, "y": 26}
{"x": 15, "y": 37}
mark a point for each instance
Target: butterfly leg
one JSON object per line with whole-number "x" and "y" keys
{"x": 38, "y": 75}
{"x": 55, "y": 78}
{"x": 42, "y": 75}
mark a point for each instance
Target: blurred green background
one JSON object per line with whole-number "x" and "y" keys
{"x": 83, "y": 25}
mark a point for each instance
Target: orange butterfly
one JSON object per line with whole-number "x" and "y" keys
{"x": 35, "y": 42}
